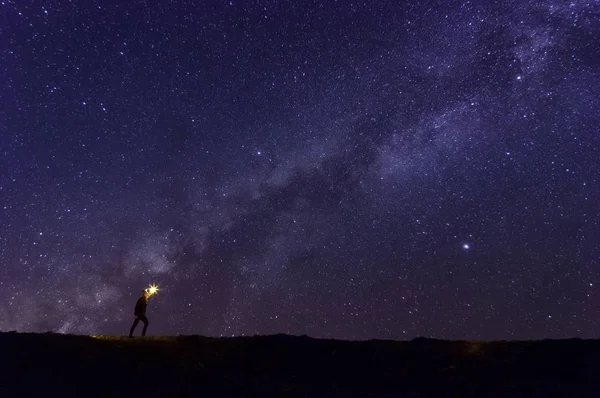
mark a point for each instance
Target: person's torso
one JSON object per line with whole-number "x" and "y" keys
{"x": 140, "y": 306}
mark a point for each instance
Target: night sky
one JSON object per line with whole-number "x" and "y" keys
{"x": 341, "y": 169}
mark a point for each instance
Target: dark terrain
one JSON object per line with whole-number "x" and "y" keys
{"x": 287, "y": 366}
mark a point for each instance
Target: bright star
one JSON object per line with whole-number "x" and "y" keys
{"x": 466, "y": 246}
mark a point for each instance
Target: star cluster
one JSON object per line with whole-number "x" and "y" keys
{"x": 354, "y": 170}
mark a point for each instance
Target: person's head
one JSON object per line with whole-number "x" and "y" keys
{"x": 146, "y": 293}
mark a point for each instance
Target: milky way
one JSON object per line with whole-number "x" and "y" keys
{"x": 338, "y": 169}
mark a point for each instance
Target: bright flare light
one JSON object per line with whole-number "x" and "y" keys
{"x": 152, "y": 289}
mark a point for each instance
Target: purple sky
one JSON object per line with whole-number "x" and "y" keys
{"x": 354, "y": 170}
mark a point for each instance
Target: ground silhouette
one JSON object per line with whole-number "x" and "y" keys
{"x": 294, "y": 366}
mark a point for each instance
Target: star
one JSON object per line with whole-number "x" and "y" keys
{"x": 242, "y": 164}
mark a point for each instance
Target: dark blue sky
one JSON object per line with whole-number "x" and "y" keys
{"x": 338, "y": 169}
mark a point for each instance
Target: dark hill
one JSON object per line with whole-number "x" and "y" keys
{"x": 287, "y": 366}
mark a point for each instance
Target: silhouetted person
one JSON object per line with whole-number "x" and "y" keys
{"x": 140, "y": 312}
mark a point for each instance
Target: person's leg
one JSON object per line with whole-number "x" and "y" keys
{"x": 135, "y": 323}
{"x": 146, "y": 323}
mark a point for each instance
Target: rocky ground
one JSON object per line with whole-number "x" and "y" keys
{"x": 287, "y": 366}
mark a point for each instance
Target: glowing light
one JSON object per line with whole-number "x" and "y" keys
{"x": 153, "y": 289}
{"x": 466, "y": 246}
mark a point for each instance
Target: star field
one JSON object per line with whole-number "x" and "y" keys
{"x": 339, "y": 169}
